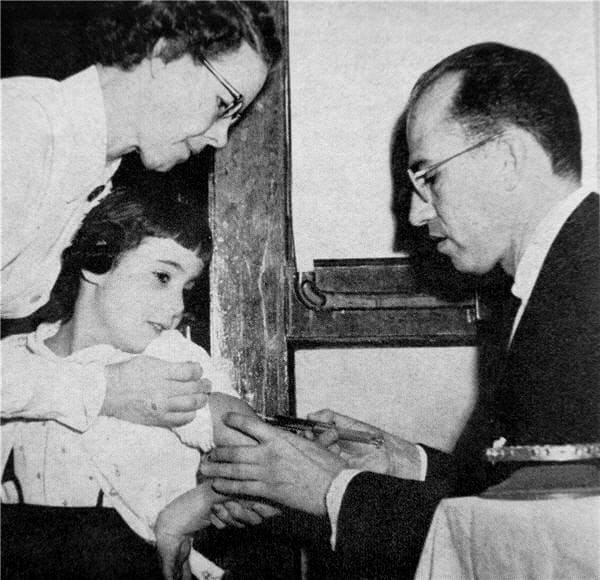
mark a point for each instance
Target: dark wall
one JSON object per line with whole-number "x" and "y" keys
{"x": 44, "y": 38}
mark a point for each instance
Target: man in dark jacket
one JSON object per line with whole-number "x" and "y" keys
{"x": 495, "y": 163}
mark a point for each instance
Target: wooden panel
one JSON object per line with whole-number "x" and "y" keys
{"x": 377, "y": 275}
{"x": 448, "y": 326}
{"x": 374, "y": 302}
{"x": 249, "y": 209}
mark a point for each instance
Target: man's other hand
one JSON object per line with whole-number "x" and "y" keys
{"x": 154, "y": 392}
{"x": 396, "y": 456}
{"x": 284, "y": 468}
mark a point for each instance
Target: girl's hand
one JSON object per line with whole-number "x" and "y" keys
{"x": 239, "y": 513}
{"x": 174, "y": 552}
{"x": 175, "y": 527}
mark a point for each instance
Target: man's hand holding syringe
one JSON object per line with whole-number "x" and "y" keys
{"x": 297, "y": 425}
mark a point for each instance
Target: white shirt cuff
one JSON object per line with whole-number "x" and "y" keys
{"x": 334, "y": 497}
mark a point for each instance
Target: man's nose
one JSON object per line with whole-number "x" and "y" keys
{"x": 420, "y": 212}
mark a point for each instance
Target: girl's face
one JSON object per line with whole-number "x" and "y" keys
{"x": 142, "y": 295}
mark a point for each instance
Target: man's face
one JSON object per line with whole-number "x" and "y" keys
{"x": 464, "y": 213}
{"x": 142, "y": 295}
{"x": 179, "y": 115}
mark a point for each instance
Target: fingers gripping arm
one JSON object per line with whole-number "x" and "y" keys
{"x": 281, "y": 467}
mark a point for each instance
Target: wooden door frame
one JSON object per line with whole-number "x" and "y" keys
{"x": 249, "y": 202}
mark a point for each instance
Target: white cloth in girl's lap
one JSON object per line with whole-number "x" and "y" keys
{"x": 172, "y": 346}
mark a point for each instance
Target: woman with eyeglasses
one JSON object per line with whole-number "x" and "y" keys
{"x": 169, "y": 79}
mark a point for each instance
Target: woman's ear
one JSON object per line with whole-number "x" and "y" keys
{"x": 92, "y": 278}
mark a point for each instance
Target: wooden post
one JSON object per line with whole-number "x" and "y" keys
{"x": 249, "y": 201}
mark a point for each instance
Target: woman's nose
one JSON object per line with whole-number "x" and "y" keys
{"x": 218, "y": 133}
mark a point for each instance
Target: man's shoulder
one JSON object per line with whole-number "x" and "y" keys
{"x": 573, "y": 256}
{"x": 585, "y": 210}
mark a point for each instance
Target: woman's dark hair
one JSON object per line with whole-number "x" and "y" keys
{"x": 126, "y": 32}
{"x": 119, "y": 223}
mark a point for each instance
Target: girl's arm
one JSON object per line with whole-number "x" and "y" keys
{"x": 176, "y": 525}
{"x": 220, "y": 404}
{"x": 196, "y": 509}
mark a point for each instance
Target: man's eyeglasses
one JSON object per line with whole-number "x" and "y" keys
{"x": 419, "y": 178}
{"x": 234, "y": 108}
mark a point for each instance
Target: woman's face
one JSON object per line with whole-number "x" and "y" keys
{"x": 142, "y": 295}
{"x": 182, "y": 103}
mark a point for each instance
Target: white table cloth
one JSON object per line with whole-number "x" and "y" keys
{"x": 492, "y": 539}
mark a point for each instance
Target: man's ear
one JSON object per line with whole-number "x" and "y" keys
{"x": 157, "y": 64}
{"x": 513, "y": 158}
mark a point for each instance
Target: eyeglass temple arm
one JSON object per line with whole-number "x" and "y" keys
{"x": 422, "y": 172}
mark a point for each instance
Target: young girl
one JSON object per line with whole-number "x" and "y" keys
{"x": 120, "y": 294}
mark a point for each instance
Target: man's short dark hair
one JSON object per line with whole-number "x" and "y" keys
{"x": 500, "y": 86}
{"x": 125, "y": 33}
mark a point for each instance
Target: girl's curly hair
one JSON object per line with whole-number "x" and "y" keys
{"x": 120, "y": 223}
{"x": 125, "y": 33}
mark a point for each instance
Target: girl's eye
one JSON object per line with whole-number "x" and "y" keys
{"x": 162, "y": 277}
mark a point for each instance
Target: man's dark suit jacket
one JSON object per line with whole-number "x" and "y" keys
{"x": 547, "y": 392}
